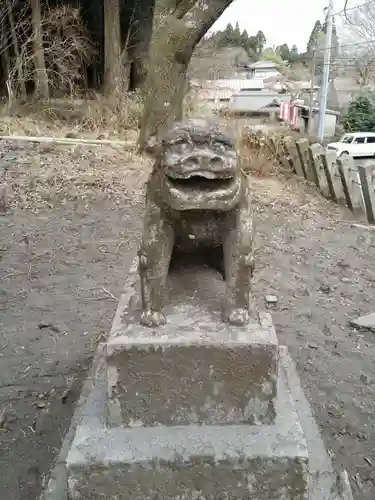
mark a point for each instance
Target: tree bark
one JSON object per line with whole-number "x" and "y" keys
{"x": 170, "y": 54}
{"x": 41, "y": 78}
{"x": 113, "y": 72}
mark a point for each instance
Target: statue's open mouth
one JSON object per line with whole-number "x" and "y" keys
{"x": 207, "y": 181}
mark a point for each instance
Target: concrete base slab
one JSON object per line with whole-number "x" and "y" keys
{"x": 324, "y": 482}
{"x": 267, "y": 462}
{"x": 194, "y": 369}
{"x": 367, "y": 321}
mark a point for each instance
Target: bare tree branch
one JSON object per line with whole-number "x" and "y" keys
{"x": 359, "y": 31}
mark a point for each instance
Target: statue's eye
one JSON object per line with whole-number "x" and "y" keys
{"x": 218, "y": 146}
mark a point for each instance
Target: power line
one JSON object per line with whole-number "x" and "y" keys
{"x": 355, "y": 44}
{"x": 355, "y": 7}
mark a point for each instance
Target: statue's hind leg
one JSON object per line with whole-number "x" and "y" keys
{"x": 239, "y": 265}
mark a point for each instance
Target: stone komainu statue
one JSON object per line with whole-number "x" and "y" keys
{"x": 197, "y": 197}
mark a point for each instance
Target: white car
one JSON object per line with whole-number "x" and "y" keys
{"x": 354, "y": 144}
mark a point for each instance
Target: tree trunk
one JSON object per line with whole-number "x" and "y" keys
{"x": 41, "y": 78}
{"x": 5, "y": 60}
{"x": 136, "y": 31}
{"x": 170, "y": 54}
{"x": 21, "y": 79}
{"x": 113, "y": 73}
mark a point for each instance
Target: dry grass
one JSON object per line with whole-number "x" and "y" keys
{"x": 256, "y": 156}
{"x": 264, "y": 153}
{"x": 261, "y": 153}
{"x": 35, "y": 176}
{"x": 97, "y": 117}
{"x": 45, "y": 176}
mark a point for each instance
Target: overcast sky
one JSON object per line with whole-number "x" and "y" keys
{"x": 282, "y": 21}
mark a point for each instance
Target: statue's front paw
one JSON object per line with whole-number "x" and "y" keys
{"x": 238, "y": 317}
{"x": 152, "y": 318}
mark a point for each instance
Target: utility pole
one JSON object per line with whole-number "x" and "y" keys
{"x": 326, "y": 68}
{"x": 312, "y": 88}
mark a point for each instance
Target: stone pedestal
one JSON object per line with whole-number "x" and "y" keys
{"x": 186, "y": 462}
{"x": 194, "y": 410}
{"x": 193, "y": 371}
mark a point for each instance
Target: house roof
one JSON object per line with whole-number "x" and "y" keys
{"x": 316, "y": 109}
{"x": 256, "y": 101}
{"x": 263, "y": 64}
{"x": 236, "y": 84}
{"x": 275, "y": 79}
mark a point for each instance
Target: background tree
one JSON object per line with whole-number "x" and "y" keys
{"x": 237, "y": 38}
{"x": 313, "y": 42}
{"x": 334, "y": 51}
{"x": 22, "y": 20}
{"x": 283, "y": 51}
{"x": 294, "y": 56}
{"x": 260, "y": 42}
{"x": 358, "y": 49}
{"x": 360, "y": 116}
{"x": 114, "y": 70}
{"x": 270, "y": 54}
{"x": 41, "y": 78}
{"x": 320, "y": 50}
{"x": 136, "y": 19}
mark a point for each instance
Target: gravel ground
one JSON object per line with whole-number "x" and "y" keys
{"x": 65, "y": 246}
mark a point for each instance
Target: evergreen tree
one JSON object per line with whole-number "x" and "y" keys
{"x": 283, "y": 51}
{"x": 313, "y": 42}
{"x": 227, "y": 35}
{"x": 321, "y": 49}
{"x": 294, "y": 55}
{"x": 236, "y": 41}
{"x": 245, "y": 40}
{"x": 360, "y": 116}
{"x": 260, "y": 42}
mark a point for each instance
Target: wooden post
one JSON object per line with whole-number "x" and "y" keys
{"x": 291, "y": 147}
{"x": 328, "y": 174}
{"x": 302, "y": 146}
{"x": 313, "y": 174}
{"x": 342, "y": 165}
{"x": 277, "y": 149}
{"x": 365, "y": 175}
{"x": 333, "y": 168}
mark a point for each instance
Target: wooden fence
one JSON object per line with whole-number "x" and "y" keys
{"x": 342, "y": 180}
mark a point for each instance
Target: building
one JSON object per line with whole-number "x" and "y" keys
{"x": 330, "y": 120}
{"x": 218, "y": 93}
{"x": 261, "y": 70}
{"x": 255, "y": 103}
{"x": 277, "y": 83}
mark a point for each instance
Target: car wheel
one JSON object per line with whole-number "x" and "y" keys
{"x": 344, "y": 155}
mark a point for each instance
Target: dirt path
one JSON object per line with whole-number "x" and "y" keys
{"x": 63, "y": 256}
{"x": 323, "y": 273}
